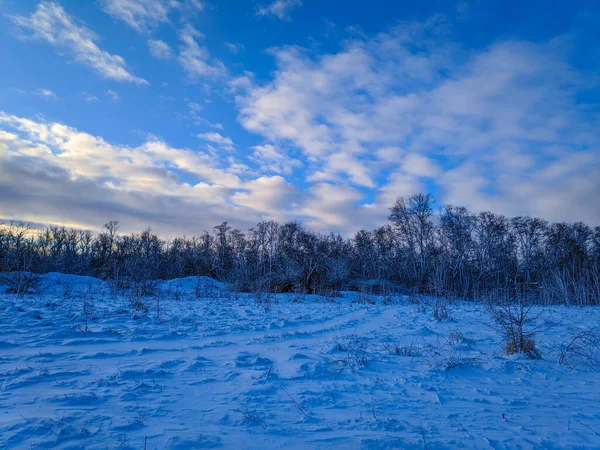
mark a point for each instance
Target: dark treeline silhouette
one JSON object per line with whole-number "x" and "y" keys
{"x": 456, "y": 253}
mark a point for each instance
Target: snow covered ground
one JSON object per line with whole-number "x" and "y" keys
{"x": 308, "y": 372}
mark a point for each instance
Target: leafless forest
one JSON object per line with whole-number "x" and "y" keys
{"x": 445, "y": 252}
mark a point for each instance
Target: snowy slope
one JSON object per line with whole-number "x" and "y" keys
{"x": 310, "y": 372}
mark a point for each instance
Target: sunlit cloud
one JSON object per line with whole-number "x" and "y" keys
{"x": 51, "y": 23}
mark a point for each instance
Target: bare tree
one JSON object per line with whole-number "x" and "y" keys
{"x": 454, "y": 254}
{"x": 412, "y": 222}
{"x": 19, "y": 256}
{"x": 515, "y": 320}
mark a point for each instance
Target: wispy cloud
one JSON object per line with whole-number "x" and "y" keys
{"x": 46, "y": 93}
{"x": 195, "y": 59}
{"x": 51, "y": 23}
{"x": 144, "y": 15}
{"x": 216, "y": 138}
{"x": 272, "y": 159}
{"x": 194, "y": 107}
{"x": 160, "y": 49}
{"x": 279, "y": 8}
{"x": 195, "y": 110}
{"x": 113, "y": 95}
{"x": 485, "y": 128}
{"x": 53, "y": 173}
{"x": 234, "y": 47}
{"x": 89, "y": 97}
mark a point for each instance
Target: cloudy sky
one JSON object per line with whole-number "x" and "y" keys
{"x": 181, "y": 114}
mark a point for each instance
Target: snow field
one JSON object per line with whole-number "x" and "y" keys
{"x": 302, "y": 372}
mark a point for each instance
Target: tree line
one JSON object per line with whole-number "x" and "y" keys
{"x": 448, "y": 252}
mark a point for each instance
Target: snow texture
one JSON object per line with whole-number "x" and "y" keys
{"x": 218, "y": 369}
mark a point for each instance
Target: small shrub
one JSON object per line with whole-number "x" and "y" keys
{"x": 411, "y": 350}
{"x": 252, "y": 417}
{"x": 176, "y": 291}
{"x": 20, "y": 282}
{"x": 419, "y": 301}
{"x": 454, "y": 361}
{"x": 299, "y": 298}
{"x": 440, "y": 309}
{"x": 67, "y": 286}
{"x": 448, "y": 358}
{"x": 136, "y": 302}
{"x": 145, "y": 288}
{"x": 455, "y": 337}
{"x": 514, "y": 319}
{"x": 356, "y": 354}
{"x": 264, "y": 300}
{"x": 582, "y": 350}
{"x": 88, "y": 308}
{"x": 454, "y": 352}
{"x": 364, "y": 298}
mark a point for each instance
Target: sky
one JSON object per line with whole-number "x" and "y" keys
{"x": 181, "y": 114}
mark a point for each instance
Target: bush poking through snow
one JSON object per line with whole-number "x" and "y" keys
{"x": 363, "y": 297}
{"x": 440, "y": 309}
{"x": 264, "y": 300}
{"x": 458, "y": 340}
{"x": 453, "y": 361}
{"x": 453, "y": 352}
{"x": 354, "y": 351}
{"x": 136, "y": 302}
{"x": 514, "y": 320}
{"x": 582, "y": 350}
{"x": 88, "y": 309}
{"x": 438, "y": 305}
{"x": 252, "y": 417}
{"x": 20, "y": 282}
{"x": 411, "y": 350}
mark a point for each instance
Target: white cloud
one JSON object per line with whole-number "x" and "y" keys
{"x": 193, "y": 106}
{"x": 195, "y": 59}
{"x": 217, "y": 138}
{"x": 194, "y": 111}
{"x": 145, "y": 169}
{"x": 51, "y": 23}
{"x": 272, "y": 159}
{"x": 240, "y": 83}
{"x": 45, "y": 93}
{"x": 144, "y": 15}
{"x": 497, "y": 128}
{"x": 279, "y": 8}
{"x": 53, "y": 173}
{"x": 334, "y": 208}
{"x": 43, "y": 164}
{"x": 398, "y": 184}
{"x": 409, "y": 109}
{"x": 138, "y": 14}
{"x": 270, "y": 196}
{"x": 234, "y": 47}
{"x": 113, "y": 95}
{"x": 160, "y": 49}
{"x": 420, "y": 166}
{"x": 89, "y": 97}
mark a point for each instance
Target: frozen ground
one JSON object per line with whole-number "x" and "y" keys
{"x": 310, "y": 373}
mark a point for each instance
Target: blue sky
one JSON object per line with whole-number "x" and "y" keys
{"x": 181, "y": 114}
